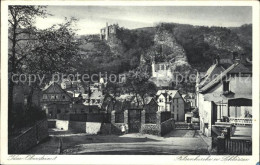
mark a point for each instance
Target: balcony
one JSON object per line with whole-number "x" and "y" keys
{"x": 240, "y": 121}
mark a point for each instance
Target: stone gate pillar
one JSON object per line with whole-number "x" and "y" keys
{"x": 143, "y": 116}
{"x": 158, "y": 116}
{"x": 113, "y": 117}
{"x": 126, "y": 116}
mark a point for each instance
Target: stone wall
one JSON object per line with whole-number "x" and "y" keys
{"x": 93, "y": 127}
{"x": 153, "y": 129}
{"x": 23, "y": 142}
{"x": 29, "y": 138}
{"x": 160, "y": 128}
{"x": 76, "y": 126}
{"x": 167, "y": 126}
{"x": 51, "y": 123}
{"x": 62, "y": 124}
{"x": 105, "y": 128}
{"x": 84, "y": 127}
{"x": 42, "y": 130}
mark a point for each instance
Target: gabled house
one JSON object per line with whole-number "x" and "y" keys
{"x": 149, "y": 104}
{"x": 172, "y": 101}
{"x": 96, "y": 98}
{"x": 55, "y": 100}
{"x": 191, "y": 99}
{"x": 224, "y": 95}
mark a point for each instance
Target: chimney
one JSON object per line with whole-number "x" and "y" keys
{"x": 237, "y": 61}
{"x": 235, "y": 55}
{"x": 217, "y": 59}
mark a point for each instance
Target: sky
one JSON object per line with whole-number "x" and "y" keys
{"x": 92, "y": 18}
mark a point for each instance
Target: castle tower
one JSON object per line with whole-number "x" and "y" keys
{"x": 106, "y": 37}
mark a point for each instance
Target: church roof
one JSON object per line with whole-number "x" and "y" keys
{"x": 169, "y": 92}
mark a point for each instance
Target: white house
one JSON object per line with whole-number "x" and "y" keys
{"x": 224, "y": 92}
{"x": 171, "y": 100}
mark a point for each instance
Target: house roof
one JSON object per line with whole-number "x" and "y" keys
{"x": 235, "y": 68}
{"x": 213, "y": 71}
{"x": 169, "y": 92}
{"x": 126, "y": 97}
{"x": 240, "y": 68}
{"x": 148, "y": 99}
{"x": 96, "y": 94}
{"x": 56, "y": 85}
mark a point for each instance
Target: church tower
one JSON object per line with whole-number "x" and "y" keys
{"x": 153, "y": 67}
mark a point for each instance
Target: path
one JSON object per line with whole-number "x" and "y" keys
{"x": 177, "y": 142}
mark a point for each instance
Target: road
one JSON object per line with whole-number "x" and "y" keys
{"x": 177, "y": 142}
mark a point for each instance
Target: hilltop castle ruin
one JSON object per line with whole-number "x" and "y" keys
{"x": 107, "y": 31}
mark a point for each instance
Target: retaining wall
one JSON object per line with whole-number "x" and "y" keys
{"x": 62, "y": 124}
{"x": 84, "y": 127}
{"x": 29, "y": 138}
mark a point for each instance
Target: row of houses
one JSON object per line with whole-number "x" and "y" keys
{"x": 56, "y": 99}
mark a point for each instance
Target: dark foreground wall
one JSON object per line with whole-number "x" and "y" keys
{"x": 29, "y": 138}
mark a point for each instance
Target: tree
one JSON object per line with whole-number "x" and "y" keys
{"x": 21, "y": 38}
{"x": 138, "y": 83}
{"x": 112, "y": 89}
{"x": 55, "y": 51}
{"x": 37, "y": 52}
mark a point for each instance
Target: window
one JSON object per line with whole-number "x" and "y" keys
{"x": 56, "y": 96}
{"x": 225, "y": 86}
{"x": 177, "y": 117}
{"x": 82, "y": 111}
{"x": 162, "y": 67}
{"x": 44, "y": 97}
{"x": 63, "y": 97}
{"x": 52, "y": 97}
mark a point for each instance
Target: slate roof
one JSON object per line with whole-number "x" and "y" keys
{"x": 240, "y": 68}
{"x": 235, "y": 68}
{"x": 211, "y": 72}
